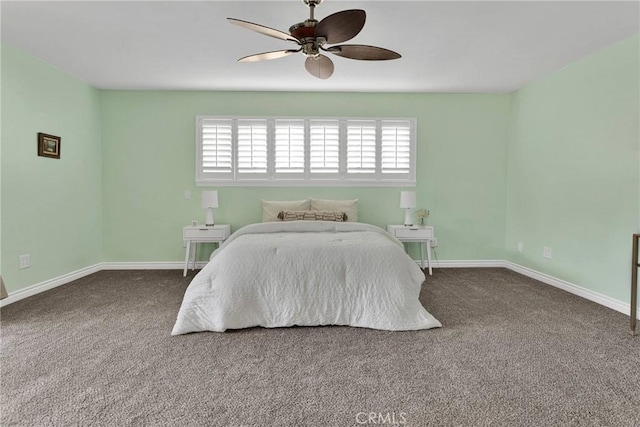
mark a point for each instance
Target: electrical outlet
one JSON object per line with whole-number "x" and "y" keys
{"x": 25, "y": 261}
{"x": 520, "y": 247}
{"x": 434, "y": 242}
{"x": 187, "y": 194}
{"x": 547, "y": 252}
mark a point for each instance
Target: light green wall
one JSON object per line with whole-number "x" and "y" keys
{"x": 556, "y": 164}
{"x": 149, "y": 152}
{"x": 573, "y": 180}
{"x": 51, "y": 209}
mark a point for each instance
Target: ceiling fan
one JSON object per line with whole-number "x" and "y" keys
{"x": 311, "y": 36}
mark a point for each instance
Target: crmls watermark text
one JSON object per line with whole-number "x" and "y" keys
{"x": 382, "y": 418}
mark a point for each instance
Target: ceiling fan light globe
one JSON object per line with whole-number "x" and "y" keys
{"x": 320, "y": 67}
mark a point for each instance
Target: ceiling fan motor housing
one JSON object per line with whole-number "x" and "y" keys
{"x": 305, "y": 32}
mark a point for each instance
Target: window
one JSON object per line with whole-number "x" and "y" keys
{"x": 252, "y": 148}
{"x": 396, "y": 148}
{"x": 324, "y": 147}
{"x": 214, "y": 155}
{"x": 289, "y": 145}
{"x": 361, "y": 147}
{"x": 247, "y": 151}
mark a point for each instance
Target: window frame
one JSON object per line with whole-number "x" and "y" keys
{"x": 307, "y": 179}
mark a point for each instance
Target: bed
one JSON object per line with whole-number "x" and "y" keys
{"x": 306, "y": 273}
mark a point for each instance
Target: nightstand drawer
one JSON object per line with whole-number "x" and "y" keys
{"x": 414, "y": 233}
{"x": 206, "y": 233}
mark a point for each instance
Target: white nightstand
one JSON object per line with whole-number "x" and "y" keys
{"x": 422, "y": 234}
{"x": 194, "y": 234}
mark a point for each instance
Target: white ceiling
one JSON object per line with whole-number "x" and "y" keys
{"x": 447, "y": 46}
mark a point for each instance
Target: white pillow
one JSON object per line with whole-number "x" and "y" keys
{"x": 350, "y": 207}
{"x": 271, "y": 209}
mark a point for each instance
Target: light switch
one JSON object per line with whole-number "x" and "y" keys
{"x": 25, "y": 261}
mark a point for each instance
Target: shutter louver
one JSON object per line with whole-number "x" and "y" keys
{"x": 396, "y": 147}
{"x": 289, "y": 146}
{"x": 252, "y": 146}
{"x": 361, "y": 147}
{"x": 216, "y": 146}
{"x": 324, "y": 147}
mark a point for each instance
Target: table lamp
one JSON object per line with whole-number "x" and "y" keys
{"x": 209, "y": 201}
{"x": 408, "y": 202}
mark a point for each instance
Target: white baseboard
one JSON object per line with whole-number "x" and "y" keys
{"x": 78, "y": 274}
{"x": 50, "y": 284}
{"x": 596, "y": 297}
{"x": 612, "y": 303}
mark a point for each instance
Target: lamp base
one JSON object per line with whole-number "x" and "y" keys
{"x": 408, "y": 220}
{"x": 209, "y": 222}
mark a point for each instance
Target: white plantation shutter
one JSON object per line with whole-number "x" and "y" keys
{"x": 215, "y": 154}
{"x": 396, "y": 147}
{"x": 252, "y": 147}
{"x": 361, "y": 147}
{"x": 289, "y": 146}
{"x": 324, "y": 147}
{"x": 297, "y": 151}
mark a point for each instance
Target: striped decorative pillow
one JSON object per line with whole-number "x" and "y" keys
{"x": 338, "y": 216}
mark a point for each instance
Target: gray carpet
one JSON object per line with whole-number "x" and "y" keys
{"x": 512, "y": 352}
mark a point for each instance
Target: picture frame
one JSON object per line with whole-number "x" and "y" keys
{"x": 49, "y": 145}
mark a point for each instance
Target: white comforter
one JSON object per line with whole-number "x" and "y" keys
{"x": 306, "y": 273}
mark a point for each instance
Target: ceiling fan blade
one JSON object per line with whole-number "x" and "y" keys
{"x": 268, "y": 55}
{"x": 264, "y": 30}
{"x": 320, "y": 66}
{"x": 341, "y": 26}
{"x": 363, "y": 52}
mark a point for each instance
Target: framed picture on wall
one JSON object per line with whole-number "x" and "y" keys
{"x": 48, "y": 145}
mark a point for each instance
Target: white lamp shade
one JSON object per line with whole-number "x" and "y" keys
{"x": 408, "y": 199}
{"x": 209, "y": 199}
